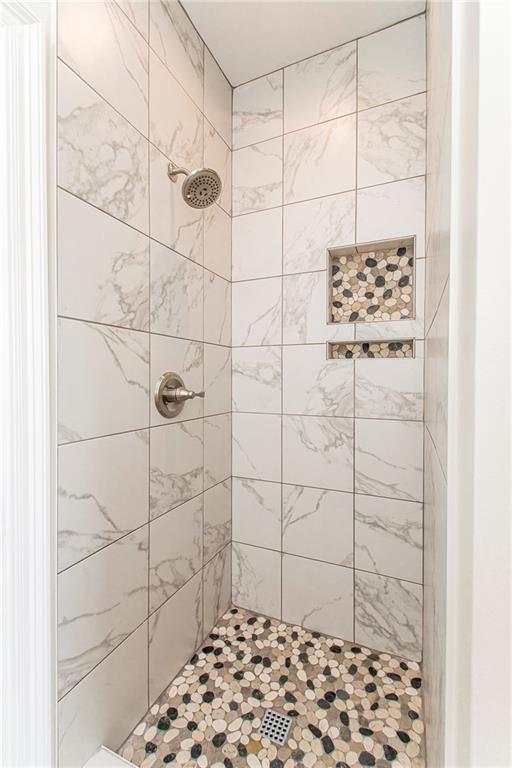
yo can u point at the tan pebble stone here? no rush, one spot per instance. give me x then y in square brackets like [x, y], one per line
[309, 760]
[351, 757]
[182, 757]
[253, 747]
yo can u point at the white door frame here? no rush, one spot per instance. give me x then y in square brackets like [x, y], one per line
[27, 385]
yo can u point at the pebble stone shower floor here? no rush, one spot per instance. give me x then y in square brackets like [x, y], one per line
[350, 706]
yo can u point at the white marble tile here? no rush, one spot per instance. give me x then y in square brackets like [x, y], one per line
[393, 210]
[173, 222]
[174, 38]
[217, 379]
[217, 449]
[90, 356]
[175, 632]
[320, 88]
[319, 596]
[257, 446]
[257, 244]
[216, 588]
[175, 550]
[391, 141]
[175, 123]
[389, 537]
[391, 63]
[217, 519]
[138, 13]
[217, 241]
[389, 458]
[315, 386]
[101, 157]
[257, 579]
[257, 513]
[258, 110]
[176, 467]
[305, 311]
[217, 155]
[315, 225]
[186, 359]
[101, 600]
[217, 97]
[257, 379]
[258, 177]
[436, 379]
[99, 43]
[105, 705]
[257, 312]
[318, 451]
[103, 272]
[102, 493]
[388, 615]
[176, 294]
[320, 160]
[217, 309]
[318, 524]
[389, 389]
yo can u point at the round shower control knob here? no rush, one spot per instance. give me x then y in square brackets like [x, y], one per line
[171, 395]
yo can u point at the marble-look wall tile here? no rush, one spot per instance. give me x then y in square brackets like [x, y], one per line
[97, 146]
[257, 446]
[102, 493]
[257, 579]
[318, 596]
[173, 222]
[217, 379]
[101, 600]
[217, 519]
[257, 312]
[217, 241]
[175, 632]
[89, 357]
[217, 449]
[257, 513]
[174, 38]
[217, 154]
[389, 537]
[175, 123]
[315, 225]
[176, 294]
[105, 705]
[176, 550]
[176, 468]
[320, 88]
[305, 311]
[436, 379]
[318, 524]
[391, 141]
[217, 309]
[258, 110]
[103, 273]
[389, 389]
[257, 244]
[388, 615]
[99, 43]
[216, 588]
[257, 177]
[217, 97]
[183, 357]
[257, 379]
[389, 458]
[138, 13]
[320, 160]
[315, 386]
[318, 451]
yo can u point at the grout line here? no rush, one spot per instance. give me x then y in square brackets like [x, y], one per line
[335, 417]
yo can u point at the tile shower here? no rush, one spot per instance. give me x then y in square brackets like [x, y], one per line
[294, 491]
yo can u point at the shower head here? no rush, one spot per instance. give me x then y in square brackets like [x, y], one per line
[201, 188]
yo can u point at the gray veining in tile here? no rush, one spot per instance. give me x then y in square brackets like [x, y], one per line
[176, 472]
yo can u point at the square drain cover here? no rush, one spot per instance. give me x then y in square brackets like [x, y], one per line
[275, 726]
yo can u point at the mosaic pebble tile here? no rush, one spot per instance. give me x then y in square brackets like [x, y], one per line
[350, 706]
[370, 349]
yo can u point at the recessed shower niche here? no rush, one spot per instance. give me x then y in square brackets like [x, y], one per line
[371, 282]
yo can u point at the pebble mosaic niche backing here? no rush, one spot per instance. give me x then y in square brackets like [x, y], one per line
[372, 282]
[370, 349]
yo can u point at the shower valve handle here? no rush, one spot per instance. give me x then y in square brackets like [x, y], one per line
[171, 395]
[180, 394]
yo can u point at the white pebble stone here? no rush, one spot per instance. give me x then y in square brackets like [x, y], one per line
[139, 729]
[219, 725]
[202, 761]
[150, 733]
[252, 761]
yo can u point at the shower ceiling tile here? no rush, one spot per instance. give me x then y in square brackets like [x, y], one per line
[257, 244]
[217, 97]
[257, 579]
[258, 177]
[217, 379]
[305, 311]
[257, 379]
[315, 386]
[176, 466]
[258, 110]
[257, 446]
[176, 294]
[257, 513]
[217, 309]
[217, 519]
[216, 587]
[217, 155]
[320, 88]
[217, 454]
[389, 389]
[217, 241]
[257, 312]
[186, 359]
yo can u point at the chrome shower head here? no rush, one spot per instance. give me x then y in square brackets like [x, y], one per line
[201, 188]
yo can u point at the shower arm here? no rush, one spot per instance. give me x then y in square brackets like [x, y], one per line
[173, 171]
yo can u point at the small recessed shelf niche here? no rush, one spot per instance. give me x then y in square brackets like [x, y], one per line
[355, 350]
[371, 282]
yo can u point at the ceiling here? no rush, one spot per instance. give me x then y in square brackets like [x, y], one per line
[250, 38]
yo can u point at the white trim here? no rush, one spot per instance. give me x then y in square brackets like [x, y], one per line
[27, 385]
